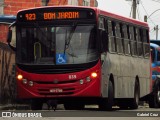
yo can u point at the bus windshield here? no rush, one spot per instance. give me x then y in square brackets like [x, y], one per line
[74, 44]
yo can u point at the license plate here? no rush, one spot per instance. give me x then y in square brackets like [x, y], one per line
[56, 90]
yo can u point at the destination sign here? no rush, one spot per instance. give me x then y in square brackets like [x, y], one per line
[45, 15]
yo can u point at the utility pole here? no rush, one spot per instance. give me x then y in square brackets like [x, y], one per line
[134, 5]
[156, 29]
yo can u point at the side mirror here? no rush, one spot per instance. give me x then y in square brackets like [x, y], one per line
[11, 37]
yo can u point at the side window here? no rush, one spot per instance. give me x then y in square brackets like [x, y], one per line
[132, 40]
[101, 23]
[126, 40]
[112, 46]
[139, 42]
[146, 45]
[118, 38]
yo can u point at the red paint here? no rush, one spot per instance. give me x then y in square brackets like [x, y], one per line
[88, 89]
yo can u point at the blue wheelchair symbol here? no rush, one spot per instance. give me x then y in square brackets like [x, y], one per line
[61, 58]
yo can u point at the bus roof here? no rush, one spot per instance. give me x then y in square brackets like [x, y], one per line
[123, 19]
[7, 19]
[64, 6]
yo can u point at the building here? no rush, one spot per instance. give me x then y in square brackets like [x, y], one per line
[10, 7]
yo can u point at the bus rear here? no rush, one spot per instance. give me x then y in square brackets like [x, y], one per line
[57, 55]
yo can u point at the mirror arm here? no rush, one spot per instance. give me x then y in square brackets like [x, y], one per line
[13, 48]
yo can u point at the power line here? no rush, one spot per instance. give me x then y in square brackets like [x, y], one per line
[146, 12]
[156, 1]
[152, 30]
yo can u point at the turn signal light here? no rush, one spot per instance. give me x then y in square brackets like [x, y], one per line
[94, 74]
[19, 77]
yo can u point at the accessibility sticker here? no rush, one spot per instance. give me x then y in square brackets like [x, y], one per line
[61, 58]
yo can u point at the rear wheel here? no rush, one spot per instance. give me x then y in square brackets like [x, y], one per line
[154, 101]
[107, 103]
[135, 101]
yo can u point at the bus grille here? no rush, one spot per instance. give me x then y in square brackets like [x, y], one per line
[66, 91]
[65, 87]
[59, 82]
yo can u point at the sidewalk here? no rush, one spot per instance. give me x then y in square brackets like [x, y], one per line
[25, 107]
[14, 107]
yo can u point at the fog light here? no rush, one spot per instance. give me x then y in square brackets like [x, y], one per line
[88, 79]
[81, 82]
[24, 81]
[30, 83]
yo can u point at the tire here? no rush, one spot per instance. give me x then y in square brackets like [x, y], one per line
[73, 106]
[154, 100]
[36, 105]
[123, 104]
[135, 101]
[107, 103]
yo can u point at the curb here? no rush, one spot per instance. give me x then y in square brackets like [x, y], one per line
[14, 107]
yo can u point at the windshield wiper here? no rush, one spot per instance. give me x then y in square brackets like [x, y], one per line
[67, 40]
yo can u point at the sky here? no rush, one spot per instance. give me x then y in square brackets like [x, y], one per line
[145, 7]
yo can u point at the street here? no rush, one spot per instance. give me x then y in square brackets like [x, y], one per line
[90, 112]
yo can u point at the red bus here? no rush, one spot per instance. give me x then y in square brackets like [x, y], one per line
[79, 56]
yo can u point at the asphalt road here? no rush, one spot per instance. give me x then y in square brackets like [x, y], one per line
[89, 113]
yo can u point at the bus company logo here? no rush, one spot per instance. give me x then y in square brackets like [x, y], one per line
[55, 81]
[6, 114]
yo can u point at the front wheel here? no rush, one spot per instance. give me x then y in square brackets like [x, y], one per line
[107, 103]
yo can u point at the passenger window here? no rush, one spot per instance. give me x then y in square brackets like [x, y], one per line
[118, 38]
[126, 40]
[101, 23]
[139, 43]
[146, 46]
[112, 46]
[132, 41]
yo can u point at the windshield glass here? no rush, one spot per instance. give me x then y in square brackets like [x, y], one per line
[158, 55]
[74, 44]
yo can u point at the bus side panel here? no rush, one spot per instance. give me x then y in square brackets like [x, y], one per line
[121, 75]
[125, 69]
[127, 82]
[145, 82]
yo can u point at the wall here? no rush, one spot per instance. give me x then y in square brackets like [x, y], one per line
[12, 6]
[3, 32]
[7, 74]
